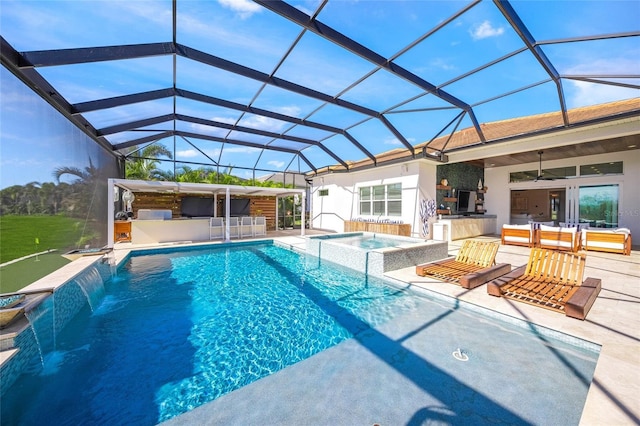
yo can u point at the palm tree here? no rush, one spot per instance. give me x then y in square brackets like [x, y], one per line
[85, 187]
[86, 199]
[187, 174]
[145, 166]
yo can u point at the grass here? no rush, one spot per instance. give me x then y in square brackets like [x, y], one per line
[18, 235]
[17, 275]
[18, 238]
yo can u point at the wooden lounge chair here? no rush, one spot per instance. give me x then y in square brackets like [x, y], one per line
[473, 266]
[551, 279]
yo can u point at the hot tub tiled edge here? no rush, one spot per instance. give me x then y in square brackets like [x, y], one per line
[375, 262]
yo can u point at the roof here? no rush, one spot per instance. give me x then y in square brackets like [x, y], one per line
[269, 86]
[517, 127]
[201, 188]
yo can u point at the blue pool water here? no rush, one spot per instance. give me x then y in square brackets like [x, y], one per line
[176, 330]
[180, 329]
[371, 242]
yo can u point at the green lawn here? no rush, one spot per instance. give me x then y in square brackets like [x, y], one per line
[17, 275]
[18, 238]
[18, 235]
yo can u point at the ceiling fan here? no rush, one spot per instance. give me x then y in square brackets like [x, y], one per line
[540, 175]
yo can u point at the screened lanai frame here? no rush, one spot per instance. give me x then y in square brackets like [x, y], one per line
[312, 86]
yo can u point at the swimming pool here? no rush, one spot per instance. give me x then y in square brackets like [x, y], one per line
[178, 329]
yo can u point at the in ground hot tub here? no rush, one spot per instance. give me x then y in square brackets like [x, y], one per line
[375, 254]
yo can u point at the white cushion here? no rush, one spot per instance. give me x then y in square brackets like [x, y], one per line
[600, 244]
[558, 229]
[626, 231]
[517, 227]
[510, 239]
[555, 243]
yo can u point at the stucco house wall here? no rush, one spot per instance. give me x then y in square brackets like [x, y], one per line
[418, 179]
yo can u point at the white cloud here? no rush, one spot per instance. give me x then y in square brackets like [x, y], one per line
[485, 30]
[261, 122]
[396, 141]
[241, 149]
[442, 64]
[592, 94]
[392, 141]
[291, 110]
[583, 93]
[187, 153]
[209, 130]
[276, 164]
[244, 8]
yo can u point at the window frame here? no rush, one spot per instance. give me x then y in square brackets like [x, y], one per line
[380, 200]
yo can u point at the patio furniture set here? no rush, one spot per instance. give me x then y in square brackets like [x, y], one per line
[551, 279]
[571, 238]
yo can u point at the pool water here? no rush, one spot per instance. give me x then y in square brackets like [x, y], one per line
[176, 330]
[371, 241]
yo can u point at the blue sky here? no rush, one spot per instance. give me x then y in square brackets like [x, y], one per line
[245, 33]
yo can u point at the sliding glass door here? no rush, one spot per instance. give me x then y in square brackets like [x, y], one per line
[598, 205]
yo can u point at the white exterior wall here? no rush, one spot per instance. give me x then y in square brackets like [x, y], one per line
[330, 212]
[497, 198]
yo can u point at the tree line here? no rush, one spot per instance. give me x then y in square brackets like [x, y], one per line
[84, 196]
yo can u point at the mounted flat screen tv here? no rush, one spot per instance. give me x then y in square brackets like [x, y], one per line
[197, 207]
[466, 202]
[239, 207]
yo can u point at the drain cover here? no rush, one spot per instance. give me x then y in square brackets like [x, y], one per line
[460, 355]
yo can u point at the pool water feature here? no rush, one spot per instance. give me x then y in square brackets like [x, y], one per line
[179, 329]
[375, 254]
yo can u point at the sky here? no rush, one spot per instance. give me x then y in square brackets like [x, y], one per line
[430, 39]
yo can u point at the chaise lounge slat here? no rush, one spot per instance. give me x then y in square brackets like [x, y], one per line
[552, 280]
[473, 266]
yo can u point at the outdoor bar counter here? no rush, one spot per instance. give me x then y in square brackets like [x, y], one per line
[458, 227]
[173, 230]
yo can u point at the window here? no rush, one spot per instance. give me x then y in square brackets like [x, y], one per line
[599, 205]
[559, 172]
[381, 200]
[526, 176]
[323, 192]
[531, 175]
[612, 168]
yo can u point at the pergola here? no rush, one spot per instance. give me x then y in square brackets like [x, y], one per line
[315, 87]
[195, 188]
